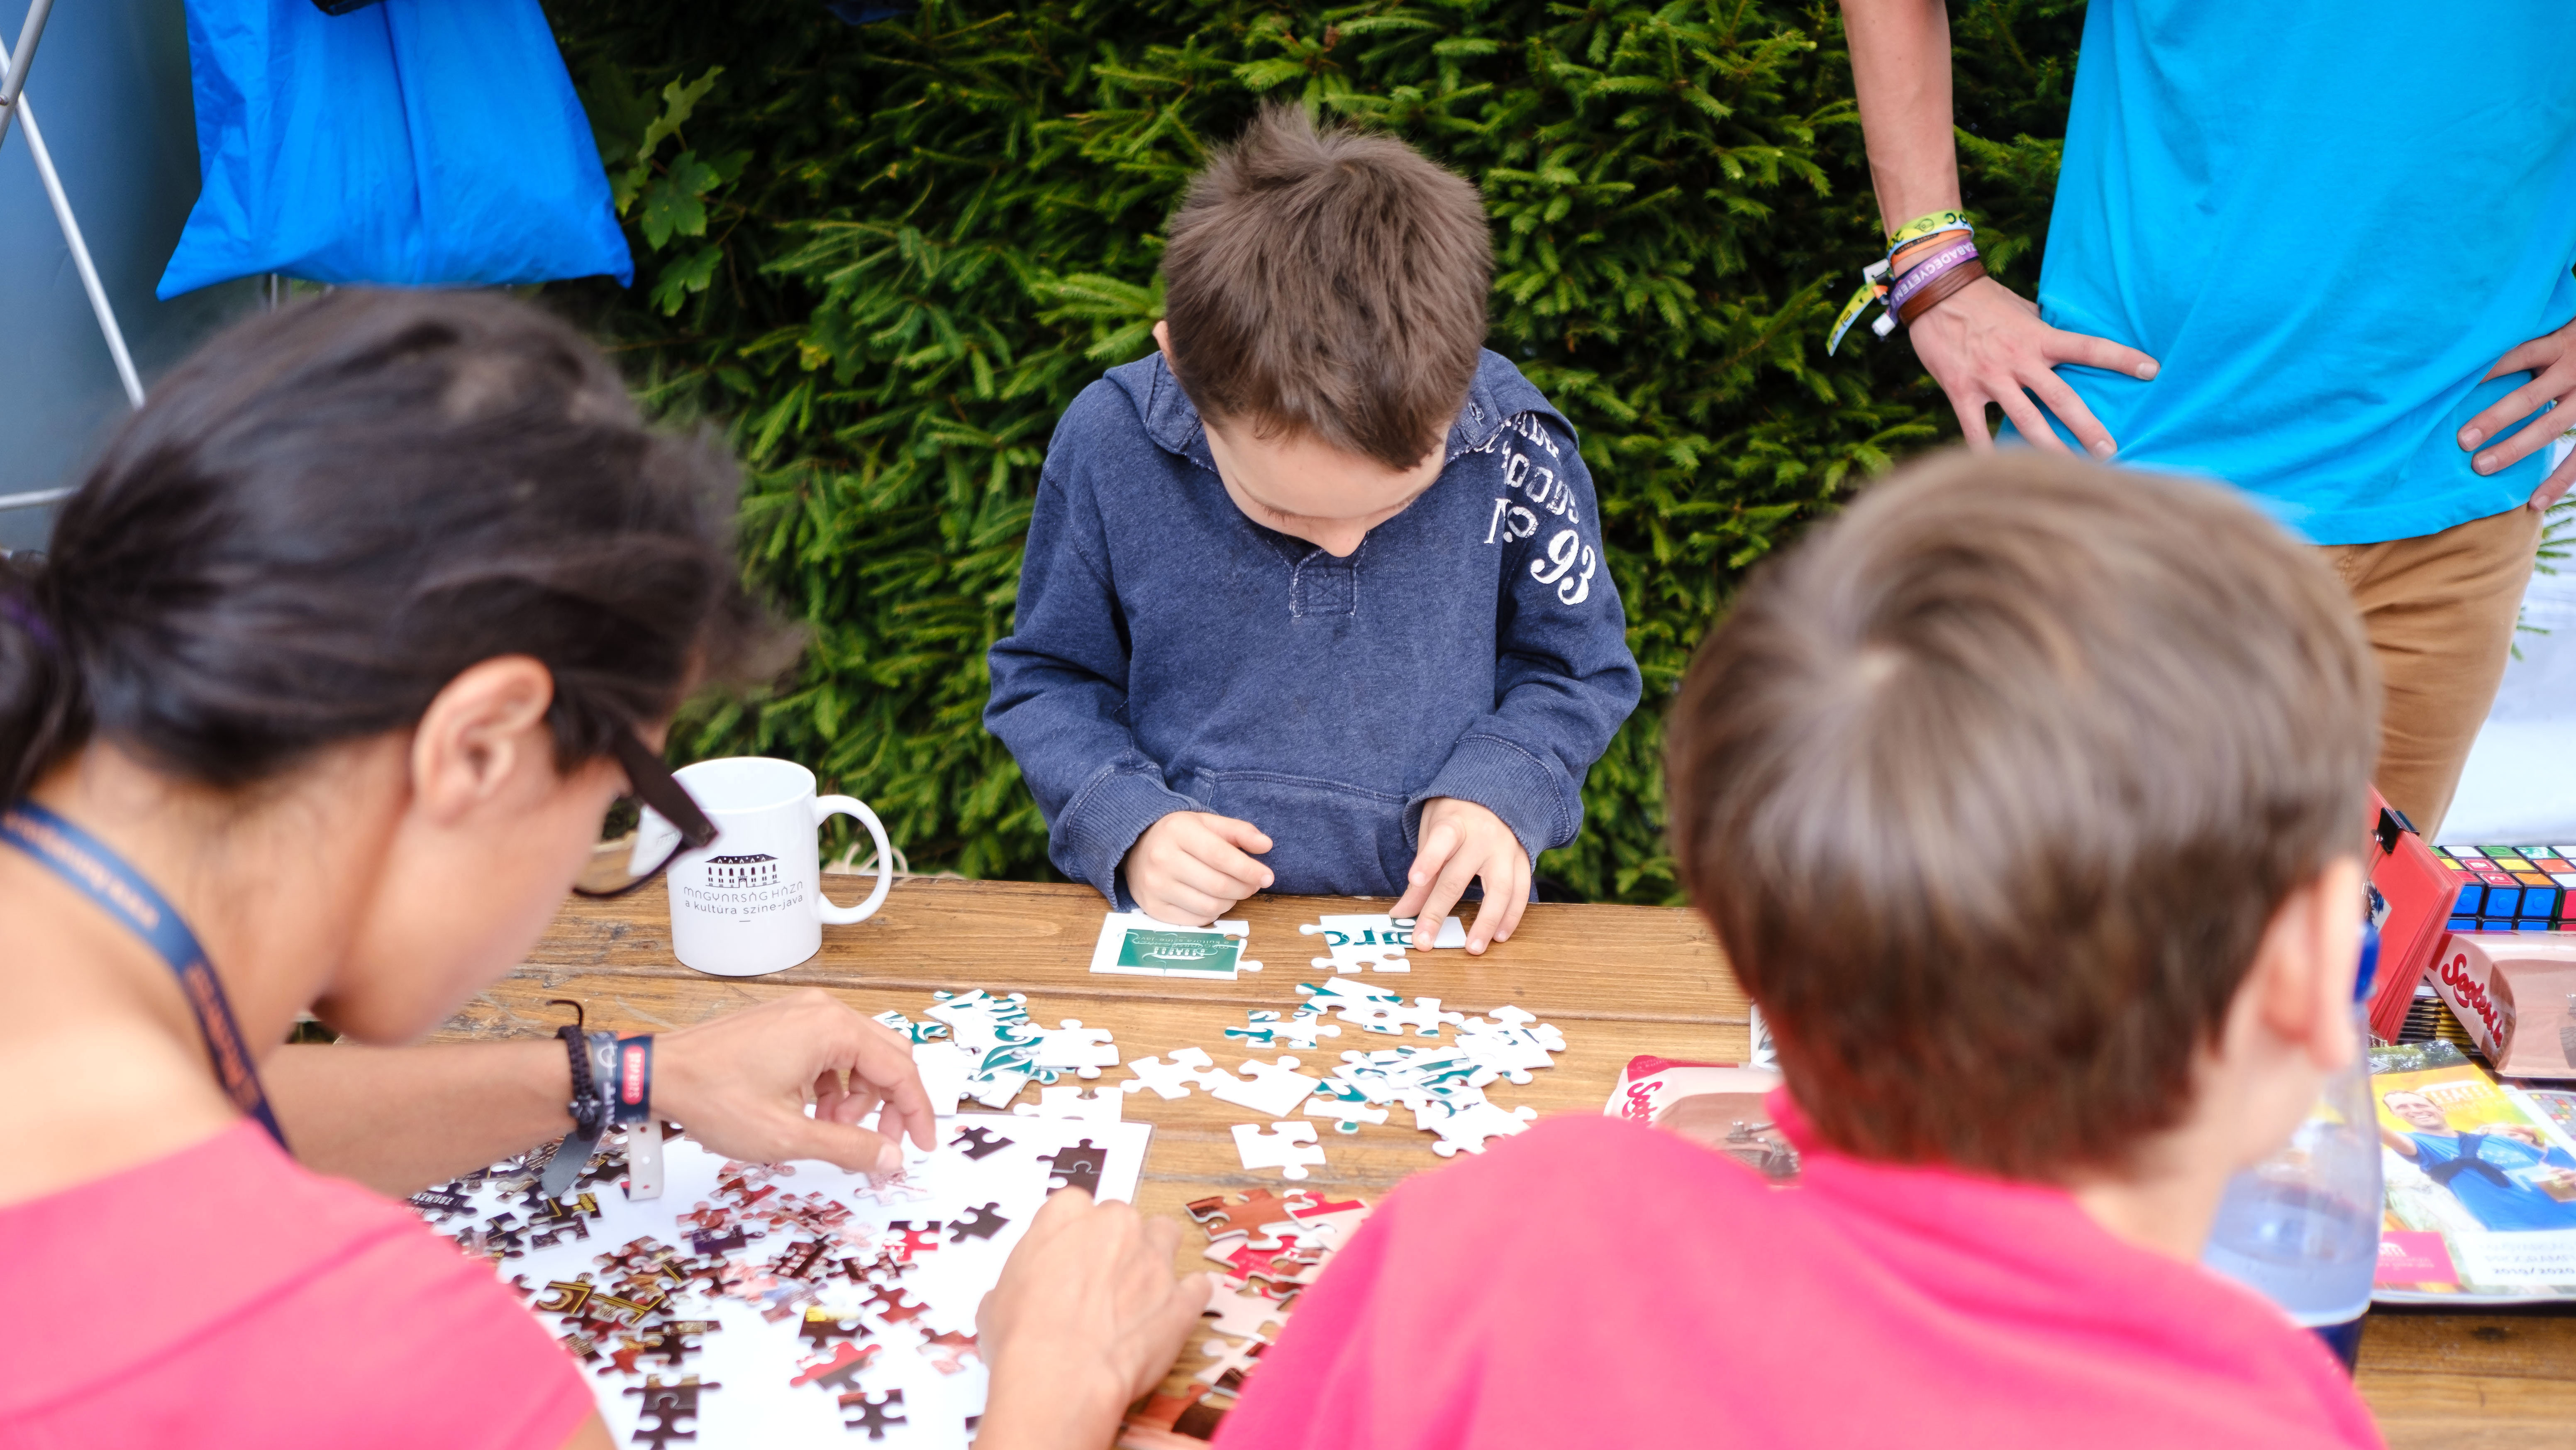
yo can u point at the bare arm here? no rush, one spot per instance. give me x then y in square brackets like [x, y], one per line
[1984, 344]
[398, 1119]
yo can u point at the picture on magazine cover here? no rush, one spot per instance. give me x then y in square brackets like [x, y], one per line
[2481, 1182]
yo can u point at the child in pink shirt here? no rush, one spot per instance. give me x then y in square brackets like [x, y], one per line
[2024, 800]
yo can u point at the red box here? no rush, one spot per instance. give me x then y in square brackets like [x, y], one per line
[2416, 896]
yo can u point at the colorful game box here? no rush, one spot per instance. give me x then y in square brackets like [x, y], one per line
[2511, 888]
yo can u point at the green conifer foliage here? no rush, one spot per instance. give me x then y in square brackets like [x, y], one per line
[884, 257]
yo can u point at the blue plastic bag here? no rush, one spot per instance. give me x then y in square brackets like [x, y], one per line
[413, 143]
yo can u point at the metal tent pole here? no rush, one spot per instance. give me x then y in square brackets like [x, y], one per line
[13, 73]
[22, 107]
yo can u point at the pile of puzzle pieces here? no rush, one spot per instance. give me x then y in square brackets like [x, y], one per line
[1270, 1247]
[644, 1311]
[1441, 1083]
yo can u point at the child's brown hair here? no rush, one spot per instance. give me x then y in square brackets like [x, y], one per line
[1991, 786]
[1331, 284]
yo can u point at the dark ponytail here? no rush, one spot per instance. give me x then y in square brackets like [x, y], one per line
[331, 510]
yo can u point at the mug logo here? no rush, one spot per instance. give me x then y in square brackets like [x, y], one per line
[735, 873]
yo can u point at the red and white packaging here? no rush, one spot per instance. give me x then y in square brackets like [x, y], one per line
[2516, 993]
[1649, 1085]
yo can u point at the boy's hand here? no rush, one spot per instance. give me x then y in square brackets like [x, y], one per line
[1190, 867]
[1462, 841]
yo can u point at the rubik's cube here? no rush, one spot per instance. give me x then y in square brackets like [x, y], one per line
[2512, 888]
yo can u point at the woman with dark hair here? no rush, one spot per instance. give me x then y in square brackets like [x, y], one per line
[341, 655]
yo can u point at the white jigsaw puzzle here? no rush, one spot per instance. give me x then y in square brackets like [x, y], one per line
[1472, 1126]
[1346, 1116]
[1376, 942]
[1085, 1050]
[982, 1021]
[1188, 1068]
[1268, 1088]
[1289, 1147]
[1099, 1105]
[1393, 1017]
[945, 1069]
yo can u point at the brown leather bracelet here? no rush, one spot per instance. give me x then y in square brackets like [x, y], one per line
[1940, 290]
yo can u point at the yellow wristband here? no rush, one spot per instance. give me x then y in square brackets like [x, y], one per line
[1928, 223]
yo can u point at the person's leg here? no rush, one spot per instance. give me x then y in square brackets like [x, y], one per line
[2440, 612]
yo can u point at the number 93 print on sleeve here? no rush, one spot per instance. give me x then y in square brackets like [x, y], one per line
[1538, 499]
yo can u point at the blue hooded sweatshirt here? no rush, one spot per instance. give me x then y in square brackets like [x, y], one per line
[1172, 655]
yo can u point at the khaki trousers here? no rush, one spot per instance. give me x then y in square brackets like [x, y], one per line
[2440, 612]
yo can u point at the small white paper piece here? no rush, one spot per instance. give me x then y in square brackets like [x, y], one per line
[644, 1160]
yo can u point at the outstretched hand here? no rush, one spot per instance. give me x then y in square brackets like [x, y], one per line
[2551, 361]
[1086, 1317]
[1986, 344]
[740, 1082]
[1463, 842]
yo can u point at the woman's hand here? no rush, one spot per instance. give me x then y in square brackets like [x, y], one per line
[740, 1082]
[1986, 344]
[1087, 1316]
[2551, 361]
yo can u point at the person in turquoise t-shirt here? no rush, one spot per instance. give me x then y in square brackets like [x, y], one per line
[2322, 251]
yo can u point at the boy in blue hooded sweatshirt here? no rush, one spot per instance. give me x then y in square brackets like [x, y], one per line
[1314, 597]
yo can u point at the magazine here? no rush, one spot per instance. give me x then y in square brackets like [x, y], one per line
[2481, 1179]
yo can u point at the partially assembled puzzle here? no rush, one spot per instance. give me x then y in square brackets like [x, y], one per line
[1268, 1247]
[784, 1305]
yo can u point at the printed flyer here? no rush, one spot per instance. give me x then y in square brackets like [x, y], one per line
[2481, 1179]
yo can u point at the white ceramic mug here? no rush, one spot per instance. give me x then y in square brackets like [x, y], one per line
[751, 901]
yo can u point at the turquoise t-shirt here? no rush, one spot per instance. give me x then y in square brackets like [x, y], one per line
[2326, 219]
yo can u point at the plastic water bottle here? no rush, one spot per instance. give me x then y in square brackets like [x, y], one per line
[2302, 1226]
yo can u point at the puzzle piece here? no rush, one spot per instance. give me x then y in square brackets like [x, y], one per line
[893, 1191]
[949, 1352]
[1346, 1116]
[1247, 1212]
[914, 1032]
[1077, 1167]
[1424, 1016]
[836, 1373]
[980, 1141]
[1472, 1126]
[888, 1305]
[1361, 943]
[976, 1223]
[1097, 1106]
[443, 1203]
[983, 1022]
[1288, 1147]
[1085, 1050]
[672, 1340]
[1239, 1315]
[1174, 1079]
[1267, 1088]
[666, 1405]
[823, 1326]
[948, 1072]
[1134, 944]
[876, 1412]
[1232, 1363]
[1298, 1030]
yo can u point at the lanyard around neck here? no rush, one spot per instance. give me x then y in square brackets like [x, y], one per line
[83, 860]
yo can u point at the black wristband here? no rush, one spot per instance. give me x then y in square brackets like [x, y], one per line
[589, 1108]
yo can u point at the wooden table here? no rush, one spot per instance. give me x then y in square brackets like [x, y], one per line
[1619, 980]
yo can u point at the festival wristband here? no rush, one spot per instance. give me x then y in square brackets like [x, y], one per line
[1940, 290]
[1929, 224]
[632, 1104]
[1874, 284]
[1928, 271]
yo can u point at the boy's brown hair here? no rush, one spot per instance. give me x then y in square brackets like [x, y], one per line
[1330, 284]
[1991, 787]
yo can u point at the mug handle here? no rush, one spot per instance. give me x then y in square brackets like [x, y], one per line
[826, 807]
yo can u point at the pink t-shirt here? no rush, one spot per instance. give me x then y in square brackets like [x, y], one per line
[224, 1296]
[1597, 1282]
